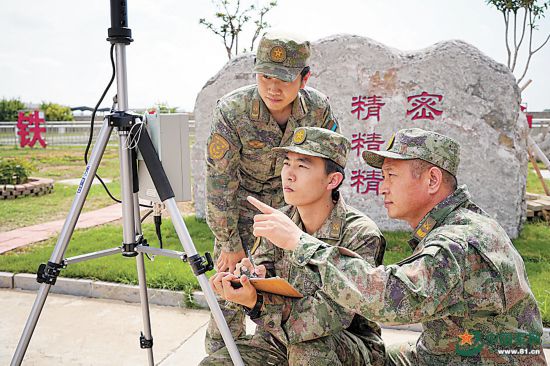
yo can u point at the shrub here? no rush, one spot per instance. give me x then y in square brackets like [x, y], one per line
[9, 109]
[56, 112]
[14, 171]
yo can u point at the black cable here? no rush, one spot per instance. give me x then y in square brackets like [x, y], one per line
[146, 215]
[158, 222]
[93, 121]
[90, 138]
[99, 103]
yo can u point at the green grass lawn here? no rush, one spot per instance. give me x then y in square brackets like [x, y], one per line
[58, 163]
[162, 272]
[169, 273]
[534, 184]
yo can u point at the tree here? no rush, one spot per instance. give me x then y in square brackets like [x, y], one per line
[522, 16]
[56, 112]
[231, 19]
[162, 107]
[9, 109]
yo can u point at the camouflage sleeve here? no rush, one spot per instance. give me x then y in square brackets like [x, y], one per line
[367, 241]
[265, 255]
[329, 120]
[414, 290]
[222, 183]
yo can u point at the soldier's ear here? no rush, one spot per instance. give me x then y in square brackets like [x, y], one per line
[435, 176]
[335, 179]
[305, 78]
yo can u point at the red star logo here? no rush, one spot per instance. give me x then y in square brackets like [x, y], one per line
[466, 338]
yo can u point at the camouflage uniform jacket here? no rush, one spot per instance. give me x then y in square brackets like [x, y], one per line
[240, 161]
[315, 316]
[464, 275]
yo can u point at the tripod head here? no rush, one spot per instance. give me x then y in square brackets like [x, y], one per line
[119, 31]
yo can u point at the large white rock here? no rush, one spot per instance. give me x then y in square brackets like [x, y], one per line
[475, 100]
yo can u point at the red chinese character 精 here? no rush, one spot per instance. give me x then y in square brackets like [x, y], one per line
[369, 180]
[370, 141]
[371, 104]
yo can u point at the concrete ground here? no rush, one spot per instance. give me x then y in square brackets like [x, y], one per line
[82, 331]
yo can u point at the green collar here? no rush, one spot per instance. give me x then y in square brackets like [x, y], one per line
[437, 215]
[332, 228]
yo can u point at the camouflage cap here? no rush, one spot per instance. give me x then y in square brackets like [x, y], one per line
[415, 143]
[282, 56]
[320, 142]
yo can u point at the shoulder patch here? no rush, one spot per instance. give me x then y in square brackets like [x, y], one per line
[332, 125]
[335, 229]
[255, 110]
[425, 228]
[218, 147]
[256, 144]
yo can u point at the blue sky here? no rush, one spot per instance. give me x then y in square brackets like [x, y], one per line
[56, 50]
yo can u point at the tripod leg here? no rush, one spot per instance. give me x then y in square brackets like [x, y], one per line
[146, 340]
[130, 227]
[54, 263]
[126, 191]
[166, 194]
[190, 250]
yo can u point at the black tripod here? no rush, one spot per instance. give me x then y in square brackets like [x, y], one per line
[133, 244]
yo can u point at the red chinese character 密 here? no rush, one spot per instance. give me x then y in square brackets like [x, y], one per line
[423, 106]
[30, 125]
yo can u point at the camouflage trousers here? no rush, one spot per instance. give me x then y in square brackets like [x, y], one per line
[343, 348]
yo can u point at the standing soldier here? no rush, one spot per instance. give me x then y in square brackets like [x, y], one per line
[247, 124]
[465, 282]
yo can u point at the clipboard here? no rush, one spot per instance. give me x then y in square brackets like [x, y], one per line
[274, 285]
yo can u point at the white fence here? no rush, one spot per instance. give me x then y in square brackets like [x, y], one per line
[62, 133]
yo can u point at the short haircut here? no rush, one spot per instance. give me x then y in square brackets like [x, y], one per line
[304, 72]
[419, 166]
[332, 167]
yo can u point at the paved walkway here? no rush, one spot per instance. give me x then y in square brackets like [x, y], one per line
[82, 331]
[16, 238]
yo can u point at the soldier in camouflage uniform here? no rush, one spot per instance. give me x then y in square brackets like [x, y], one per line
[247, 124]
[311, 330]
[465, 282]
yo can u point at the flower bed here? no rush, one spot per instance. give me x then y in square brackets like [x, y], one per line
[34, 187]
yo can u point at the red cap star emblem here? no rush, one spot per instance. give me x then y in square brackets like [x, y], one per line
[466, 338]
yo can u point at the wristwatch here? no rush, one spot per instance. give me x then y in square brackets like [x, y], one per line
[257, 309]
